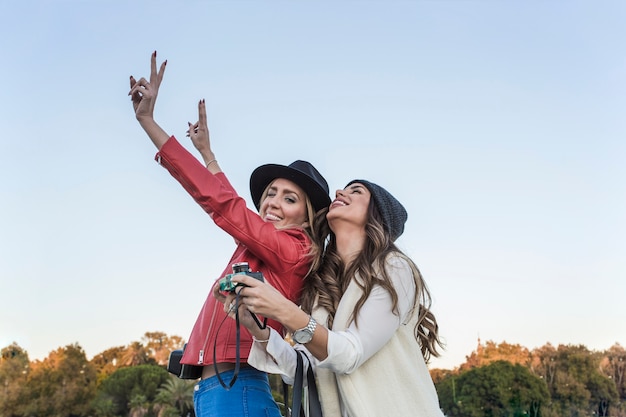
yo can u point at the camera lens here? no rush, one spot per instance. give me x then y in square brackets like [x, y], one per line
[240, 267]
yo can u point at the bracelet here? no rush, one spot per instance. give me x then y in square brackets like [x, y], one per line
[260, 341]
[210, 162]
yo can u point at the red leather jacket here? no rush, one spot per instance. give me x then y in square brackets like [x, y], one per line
[281, 255]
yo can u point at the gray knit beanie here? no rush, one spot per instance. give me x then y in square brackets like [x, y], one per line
[393, 213]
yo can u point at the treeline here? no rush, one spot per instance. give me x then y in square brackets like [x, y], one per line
[496, 380]
[509, 380]
[127, 380]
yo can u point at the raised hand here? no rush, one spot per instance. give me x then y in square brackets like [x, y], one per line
[199, 134]
[144, 93]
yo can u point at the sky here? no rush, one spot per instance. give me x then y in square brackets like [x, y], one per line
[500, 125]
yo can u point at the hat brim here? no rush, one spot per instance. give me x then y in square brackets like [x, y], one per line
[265, 174]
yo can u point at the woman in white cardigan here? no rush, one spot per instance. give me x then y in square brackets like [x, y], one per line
[365, 320]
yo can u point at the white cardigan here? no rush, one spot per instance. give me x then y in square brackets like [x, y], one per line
[355, 381]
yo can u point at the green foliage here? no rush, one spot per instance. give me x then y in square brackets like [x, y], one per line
[108, 361]
[64, 384]
[575, 381]
[492, 352]
[498, 389]
[14, 367]
[130, 384]
[103, 406]
[497, 380]
[177, 394]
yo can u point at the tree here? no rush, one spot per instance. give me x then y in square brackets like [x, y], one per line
[14, 367]
[136, 354]
[613, 365]
[129, 384]
[439, 375]
[543, 363]
[492, 352]
[576, 383]
[104, 406]
[500, 388]
[63, 384]
[108, 361]
[159, 345]
[176, 395]
[138, 405]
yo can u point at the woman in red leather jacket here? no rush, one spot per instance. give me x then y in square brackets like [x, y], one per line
[277, 242]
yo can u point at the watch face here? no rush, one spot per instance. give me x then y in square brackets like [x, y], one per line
[303, 336]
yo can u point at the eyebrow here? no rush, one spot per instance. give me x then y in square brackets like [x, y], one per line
[285, 191]
[355, 186]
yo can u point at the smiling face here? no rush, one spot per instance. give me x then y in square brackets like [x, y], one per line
[350, 205]
[284, 204]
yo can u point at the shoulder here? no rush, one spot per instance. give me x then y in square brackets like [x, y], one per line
[294, 236]
[294, 233]
[397, 262]
[401, 272]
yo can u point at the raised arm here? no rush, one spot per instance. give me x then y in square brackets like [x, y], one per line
[199, 134]
[143, 94]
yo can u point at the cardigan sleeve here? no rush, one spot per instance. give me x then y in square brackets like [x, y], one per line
[278, 357]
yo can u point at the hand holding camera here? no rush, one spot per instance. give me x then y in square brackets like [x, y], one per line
[226, 284]
[240, 268]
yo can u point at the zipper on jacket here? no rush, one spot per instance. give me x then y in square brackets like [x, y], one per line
[206, 338]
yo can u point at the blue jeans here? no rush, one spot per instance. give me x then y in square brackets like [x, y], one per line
[250, 396]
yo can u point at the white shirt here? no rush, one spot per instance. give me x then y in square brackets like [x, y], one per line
[349, 349]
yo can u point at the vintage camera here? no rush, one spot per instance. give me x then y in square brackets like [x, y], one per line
[240, 268]
[181, 370]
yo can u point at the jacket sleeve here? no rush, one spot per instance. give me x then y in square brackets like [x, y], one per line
[281, 250]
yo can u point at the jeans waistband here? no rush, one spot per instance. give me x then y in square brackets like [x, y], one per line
[245, 373]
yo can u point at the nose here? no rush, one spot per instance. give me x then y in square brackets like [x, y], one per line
[339, 192]
[272, 201]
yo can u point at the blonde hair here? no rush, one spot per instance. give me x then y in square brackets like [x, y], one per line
[309, 227]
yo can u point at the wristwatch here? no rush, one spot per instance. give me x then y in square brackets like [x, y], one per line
[305, 334]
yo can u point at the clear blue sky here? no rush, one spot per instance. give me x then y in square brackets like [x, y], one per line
[500, 125]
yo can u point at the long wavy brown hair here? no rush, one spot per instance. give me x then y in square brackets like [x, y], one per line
[329, 278]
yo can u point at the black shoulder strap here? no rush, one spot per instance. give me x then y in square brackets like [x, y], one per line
[315, 408]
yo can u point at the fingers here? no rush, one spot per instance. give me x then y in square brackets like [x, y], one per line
[192, 127]
[161, 72]
[202, 114]
[153, 70]
[229, 304]
[133, 93]
[156, 77]
[137, 88]
[246, 280]
[218, 294]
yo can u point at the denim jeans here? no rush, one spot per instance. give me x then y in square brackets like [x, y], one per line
[250, 396]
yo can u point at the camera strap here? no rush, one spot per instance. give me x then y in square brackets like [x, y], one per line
[238, 338]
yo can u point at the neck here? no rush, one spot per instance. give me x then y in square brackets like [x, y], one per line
[350, 243]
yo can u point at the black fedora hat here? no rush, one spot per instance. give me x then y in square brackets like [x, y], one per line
[300, 172]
